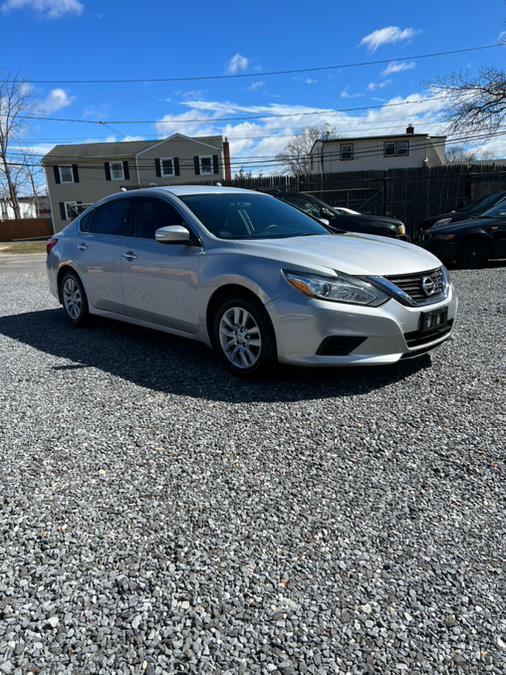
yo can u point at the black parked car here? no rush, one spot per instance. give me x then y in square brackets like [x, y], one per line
[475, 208]
[470, 242]
[344, 219]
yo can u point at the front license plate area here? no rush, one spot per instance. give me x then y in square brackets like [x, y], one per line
[435, 320]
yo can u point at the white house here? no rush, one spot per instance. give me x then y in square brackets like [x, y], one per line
[369, 153]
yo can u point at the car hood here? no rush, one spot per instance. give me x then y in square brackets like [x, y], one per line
[350, 253]
[474, 222]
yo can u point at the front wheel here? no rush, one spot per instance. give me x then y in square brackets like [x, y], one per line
[244, 337]
[73, 297]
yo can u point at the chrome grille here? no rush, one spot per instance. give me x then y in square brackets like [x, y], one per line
[412, 285]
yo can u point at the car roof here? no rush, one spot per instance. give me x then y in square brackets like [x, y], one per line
[185, 190]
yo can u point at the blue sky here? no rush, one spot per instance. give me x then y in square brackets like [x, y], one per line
[87, 39]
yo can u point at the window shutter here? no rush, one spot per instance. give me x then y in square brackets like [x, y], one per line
[196, 164]
[107, 168]
[63, 214]
[158, 168]
[176, 166]
[56, 174]
[215, 164]
[75, 173]
[126, 171]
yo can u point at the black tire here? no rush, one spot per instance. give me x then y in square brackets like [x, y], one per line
[77, 311]
[474, 253]
[259, 324]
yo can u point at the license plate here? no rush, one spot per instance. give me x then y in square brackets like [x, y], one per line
[434, 320]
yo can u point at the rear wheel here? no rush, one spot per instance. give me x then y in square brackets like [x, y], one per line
[73, 297]
[244, 337]
[473, 253]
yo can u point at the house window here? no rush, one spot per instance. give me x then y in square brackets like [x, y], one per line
[206, 164]
[346, 151]
[66, 174]
[117, 172]
[167, 166]
[70, 210]
[402, 148]
[396, 149]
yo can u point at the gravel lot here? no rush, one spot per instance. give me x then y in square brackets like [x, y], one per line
[159, 516]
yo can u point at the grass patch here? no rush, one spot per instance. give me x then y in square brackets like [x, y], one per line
[22, 246]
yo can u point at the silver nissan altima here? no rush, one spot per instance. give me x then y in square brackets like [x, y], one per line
[255, 278]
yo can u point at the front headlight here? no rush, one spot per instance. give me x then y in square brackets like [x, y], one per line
[402, 230]
[443, 221]
[342, 288]
[442, 237]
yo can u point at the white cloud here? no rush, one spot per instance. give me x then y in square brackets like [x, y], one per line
[237, 64]
[256, 139]
[52, 9]
[191, 93]
[57, 99]
[345, 93]
[387, 35]
[399, 67]
[378, 85]
[258, 85]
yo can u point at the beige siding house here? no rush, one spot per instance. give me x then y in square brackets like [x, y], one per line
[79, 175]
[370, 153]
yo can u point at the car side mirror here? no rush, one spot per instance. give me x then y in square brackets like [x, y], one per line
[172, 234]
[326, 213]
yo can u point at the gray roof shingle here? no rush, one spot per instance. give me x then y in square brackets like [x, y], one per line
[116, 150]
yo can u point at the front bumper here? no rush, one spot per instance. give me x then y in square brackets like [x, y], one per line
[302, 324]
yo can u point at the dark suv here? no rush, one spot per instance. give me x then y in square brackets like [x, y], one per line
[339, 220]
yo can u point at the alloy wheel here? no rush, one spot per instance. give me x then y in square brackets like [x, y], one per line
[240, 337]
[72, 298]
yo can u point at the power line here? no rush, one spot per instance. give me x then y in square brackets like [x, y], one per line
[258, 116]
[232, 139]
[291, 71]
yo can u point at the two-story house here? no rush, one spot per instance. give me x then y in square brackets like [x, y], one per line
[78, 175]
[369, 153]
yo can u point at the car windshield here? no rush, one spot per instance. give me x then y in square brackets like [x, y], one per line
[251, 216]
[498, 211]
[482, 204]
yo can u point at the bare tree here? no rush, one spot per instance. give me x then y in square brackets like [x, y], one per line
[31, 176]
[459, 154]
[296, 156]
[14, 101]
[474, 104]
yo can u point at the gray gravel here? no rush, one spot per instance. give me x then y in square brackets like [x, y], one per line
[159, 516]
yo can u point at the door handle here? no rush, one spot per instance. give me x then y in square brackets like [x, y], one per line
[129, 255]
[82, 246]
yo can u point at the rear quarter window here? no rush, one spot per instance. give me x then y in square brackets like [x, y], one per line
[85, 222]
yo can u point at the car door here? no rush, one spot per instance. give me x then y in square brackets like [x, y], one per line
[160, 280]
[100, 243]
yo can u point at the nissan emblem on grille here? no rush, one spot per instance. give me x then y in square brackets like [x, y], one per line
[428, 285]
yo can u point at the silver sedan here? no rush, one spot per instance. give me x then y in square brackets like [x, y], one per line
[251, 276]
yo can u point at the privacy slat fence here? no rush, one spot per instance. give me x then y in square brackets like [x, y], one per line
[409, 194]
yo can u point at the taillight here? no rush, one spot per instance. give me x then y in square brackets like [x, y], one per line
[51, 243]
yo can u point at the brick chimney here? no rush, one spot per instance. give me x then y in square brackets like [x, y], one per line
[410, 129]
[226, 159]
